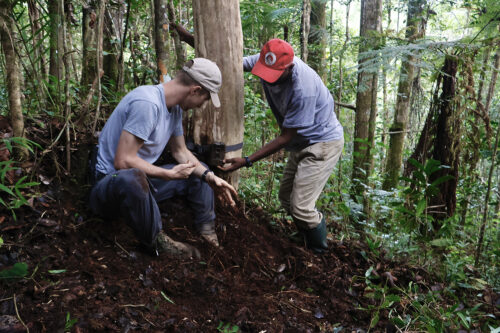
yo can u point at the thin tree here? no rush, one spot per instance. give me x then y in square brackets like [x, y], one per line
[366, 96]
[400, 124]
[56, 67]
[317, 38]
[8, 40]
[487, 199]
[161, 37]
[305, 27]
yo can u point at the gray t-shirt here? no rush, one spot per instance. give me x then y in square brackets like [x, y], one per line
[143, 113]
[304, 103]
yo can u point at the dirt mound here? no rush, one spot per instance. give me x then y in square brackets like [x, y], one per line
[94, 271]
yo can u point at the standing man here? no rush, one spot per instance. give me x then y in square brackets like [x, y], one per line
[304, 109]
[129, 185]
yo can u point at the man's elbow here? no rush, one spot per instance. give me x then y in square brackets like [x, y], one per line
[121, 163]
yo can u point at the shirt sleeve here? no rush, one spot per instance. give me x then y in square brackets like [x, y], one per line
[300, 112]
[141, 119]
[249, 62]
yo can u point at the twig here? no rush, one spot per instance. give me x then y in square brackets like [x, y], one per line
[121, 247]
[149, 321]
[347, 106]
[18, 316]
[133, 306]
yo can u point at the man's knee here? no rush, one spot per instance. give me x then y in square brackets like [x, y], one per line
[132, 181]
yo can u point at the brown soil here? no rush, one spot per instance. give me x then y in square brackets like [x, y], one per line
[259, 280]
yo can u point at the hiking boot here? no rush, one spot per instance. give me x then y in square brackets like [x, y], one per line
[207, 231]
[165, 244]
[316, 238]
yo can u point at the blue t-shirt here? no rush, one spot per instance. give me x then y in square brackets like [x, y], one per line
[304, 103]
[143, 113]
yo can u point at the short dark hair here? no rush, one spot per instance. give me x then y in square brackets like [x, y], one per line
[184, 77]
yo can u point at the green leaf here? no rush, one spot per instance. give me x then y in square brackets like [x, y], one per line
[1, 241]
[495, 330]
[442, 180]
[393, 298]
[440, 242]
[166, 297]
[465, 320]
[6, 189]
[57, 271]
[19, 270]
[374, 320]
[422, 204]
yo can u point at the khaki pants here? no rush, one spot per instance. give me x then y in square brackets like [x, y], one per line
[304, 178]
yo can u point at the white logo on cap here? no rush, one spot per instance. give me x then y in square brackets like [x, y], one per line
[270, 58]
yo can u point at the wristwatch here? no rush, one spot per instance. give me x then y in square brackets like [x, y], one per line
[204, 175]
[248, 162]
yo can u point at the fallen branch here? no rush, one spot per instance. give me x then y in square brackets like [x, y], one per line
[18, 316]
[347, 106]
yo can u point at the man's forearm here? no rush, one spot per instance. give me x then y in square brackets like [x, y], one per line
[150, 169]
[269, 148]
[185, 156]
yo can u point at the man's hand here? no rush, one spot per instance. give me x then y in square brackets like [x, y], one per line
[183, 171]
[222, 189]
[234, 164]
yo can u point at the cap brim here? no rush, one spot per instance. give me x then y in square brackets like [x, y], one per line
[265, 73]
[215, 99]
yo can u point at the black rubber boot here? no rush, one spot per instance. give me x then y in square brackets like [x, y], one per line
[316, 238]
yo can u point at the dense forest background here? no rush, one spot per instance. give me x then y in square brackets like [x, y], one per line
[415, 85]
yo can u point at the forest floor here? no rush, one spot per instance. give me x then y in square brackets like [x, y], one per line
[86, 274]
[259, 280]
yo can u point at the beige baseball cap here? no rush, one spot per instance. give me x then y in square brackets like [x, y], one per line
[208, 75]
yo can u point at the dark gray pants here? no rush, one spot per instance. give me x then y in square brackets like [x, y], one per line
[130, 194]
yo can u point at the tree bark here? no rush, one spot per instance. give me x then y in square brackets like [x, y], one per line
[89, 46]
[8, 40]
[317, 38]
[400, 123]
[487, 199]
[180, 51]
[100, 34]
[218, 36]
[447, 144]
[56, 67]
[161, 38]
[305, 28]
[113, 19]
[493, 81]
[366, 106]
[37, 32]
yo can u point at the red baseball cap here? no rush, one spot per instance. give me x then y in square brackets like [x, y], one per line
[276, 55]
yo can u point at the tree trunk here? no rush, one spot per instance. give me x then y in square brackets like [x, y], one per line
[37, 33]
[472, 157]
[317, 38]
[447, 144]
[493, 81]
[487, 199]
[8, 40]
[400, 124]
[218, 36]
[341, 57]
[100, 36]
[305, 28]
[113, 19]
[366, 96]
[89, 46]
[161, 39]
[180, 51]
[56, 67]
